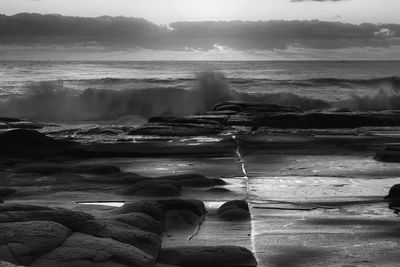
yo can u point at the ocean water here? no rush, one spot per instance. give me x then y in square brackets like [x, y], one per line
[101, 91]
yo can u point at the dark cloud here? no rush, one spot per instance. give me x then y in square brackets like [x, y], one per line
[115, 33]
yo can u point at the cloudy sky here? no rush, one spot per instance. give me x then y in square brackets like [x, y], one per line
[200, 29]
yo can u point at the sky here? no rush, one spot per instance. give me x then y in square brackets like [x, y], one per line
[200, 29]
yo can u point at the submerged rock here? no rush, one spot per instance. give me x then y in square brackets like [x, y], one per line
[218, 256]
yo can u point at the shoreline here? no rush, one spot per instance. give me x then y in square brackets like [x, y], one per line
[296, 197]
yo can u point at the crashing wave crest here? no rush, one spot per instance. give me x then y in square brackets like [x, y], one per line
[51, 101]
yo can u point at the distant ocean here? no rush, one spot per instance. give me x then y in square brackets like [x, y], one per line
[88, 91]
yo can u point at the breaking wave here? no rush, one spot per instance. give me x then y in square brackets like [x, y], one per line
[53, 101]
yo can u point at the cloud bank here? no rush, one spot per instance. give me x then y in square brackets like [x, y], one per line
[35, 33]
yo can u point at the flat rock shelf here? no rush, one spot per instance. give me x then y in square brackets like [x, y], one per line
[241, 185]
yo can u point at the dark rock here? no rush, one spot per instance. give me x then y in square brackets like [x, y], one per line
[219, 190]
[71, 219]
[140, 220]
[194, 205]
[6, 191]
[89, 251]
[157, 208]
[25, 125]
[176, 220]
[234, 210]
[6, 207]
[23, 242]
[188, 119]
[23, 143]
[7, 120]
[156, 187]
[151, 207]
[254, 107]
[219, 256]
[177, 129]
[394, 192]
[193, 180]
[22, 138]
[46, 168]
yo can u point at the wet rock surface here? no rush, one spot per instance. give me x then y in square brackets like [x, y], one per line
[248, 181]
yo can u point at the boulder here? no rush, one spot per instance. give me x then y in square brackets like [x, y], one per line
[146, 241]
[157, 208]
[71, 219]
[218, 256]
[394, 192]
[149, 207]
[23, 242]
[235, 210]
[89, 251]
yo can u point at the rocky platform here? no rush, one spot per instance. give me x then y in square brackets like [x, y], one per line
[242, 185]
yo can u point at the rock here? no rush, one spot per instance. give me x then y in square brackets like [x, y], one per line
[177, 129]
[6, 191]
[6, 207]
[394, 192]
[235, 210]
[181, 219]
[71, 219]
[194, 205]
[193, 180]
[89, 251]
[146, 241]
[156, 187]
[150, 207]
[22, 138]
[139, 220]
[7, 120]
[254, 107]
[157, 208]
[219, 190]
[187, 119]
[219, 256]
[23, 242]
[47, 168]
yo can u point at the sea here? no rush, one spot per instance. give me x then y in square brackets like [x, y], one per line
[127, 92]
